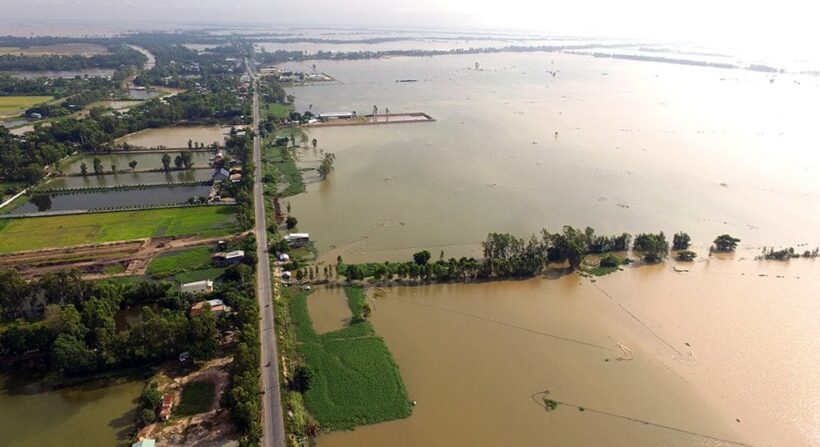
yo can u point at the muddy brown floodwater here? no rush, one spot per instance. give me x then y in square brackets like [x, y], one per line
[177, 137]
[328, 309]
[698, 352]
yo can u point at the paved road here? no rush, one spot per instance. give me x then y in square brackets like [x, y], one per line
[272, 418]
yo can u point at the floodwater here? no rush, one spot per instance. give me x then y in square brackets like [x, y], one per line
[177, 137]
[129, 178]
[145, 160]
[84, 73]
[143, 94]
[723, 354]
[617, 145]
[114, 198]
[93, 414]
[328, 309]
[719, 356]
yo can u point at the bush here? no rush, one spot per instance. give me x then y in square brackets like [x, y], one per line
[686, 255]
[680, 241]
[291, 222]
[610, 260]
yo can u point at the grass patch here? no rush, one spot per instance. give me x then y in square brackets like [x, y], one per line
[180, 262]
[276, 110]
[15, 105]
[62, 231]
[356, 381]
[121, 280]
[196, 397]
[199, 275]
[112, 269]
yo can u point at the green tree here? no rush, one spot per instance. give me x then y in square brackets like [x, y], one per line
[166, 161]
[190, 144]
[83, 169]
[302, 378]
[326, 165]
[291, 222]
[132, 164]
[202, 335]
[179, 162]
[33, 173]
[654, 247]
[365, 311]
[680, 241]
[314, 142]
[98, 169]
[726, 243]
[187, 159]
[114, 168]
[422, 257]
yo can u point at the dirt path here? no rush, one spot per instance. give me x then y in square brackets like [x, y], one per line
[132, 256]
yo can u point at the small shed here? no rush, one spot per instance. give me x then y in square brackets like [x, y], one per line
[221, 174]
[297, 239]
[216, 306]
[284, 257]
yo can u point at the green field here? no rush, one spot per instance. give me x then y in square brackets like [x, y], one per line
[356, 381]
[181, 261]
[199, 275]
[61, 231]
[276, 110]
[197, 397]
[15, 105]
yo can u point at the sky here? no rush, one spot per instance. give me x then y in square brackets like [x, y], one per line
[725, 21]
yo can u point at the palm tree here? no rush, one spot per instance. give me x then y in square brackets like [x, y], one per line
[366, 311]
[375, 110]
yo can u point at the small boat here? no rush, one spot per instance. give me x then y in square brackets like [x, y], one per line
[406, 80]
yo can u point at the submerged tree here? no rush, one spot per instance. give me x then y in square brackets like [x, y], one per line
[726, 243]
[132, 164]
[654, 247]
[166, 161]
[327, 165]
[680, 241]
[83, 169]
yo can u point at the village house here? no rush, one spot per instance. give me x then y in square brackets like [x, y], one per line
[221, 174]
[197, 287]
[145, 443]
[297, 239]
[229, 258]
[217, 307]
[165, 407]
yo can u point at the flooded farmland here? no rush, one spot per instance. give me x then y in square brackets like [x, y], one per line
[177, 137]
[658, 357]
[114, 198]
[129, 178]
[91, 414]
[145, 160]
[617, 145]
[721, 354]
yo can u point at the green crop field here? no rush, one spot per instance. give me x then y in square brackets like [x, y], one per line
[197, 397]
[277, 110]
[15, 105]
[356, 381]
[61, 231]
[181, 261]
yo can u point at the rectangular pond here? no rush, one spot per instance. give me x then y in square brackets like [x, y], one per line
[145, 160]
[177, 137]
[82, 201]
[129, 178]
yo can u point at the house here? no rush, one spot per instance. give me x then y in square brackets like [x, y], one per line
[165, 407]
[217, 307]
[35, 115]
[236, 178]
[297, 239]
[145, 443]
[230, 258]
[286, 275]
[197, 287]
[221, 174]
[284, 257]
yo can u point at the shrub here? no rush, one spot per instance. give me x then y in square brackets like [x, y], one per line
[686, 255]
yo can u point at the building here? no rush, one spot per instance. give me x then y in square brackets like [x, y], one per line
[197, 287]
[165, 407]
[221, 174]
[284, 257]
[217, 307]
[145, 443]
[286, 275]
[229, 258]
[297, 239]
[336, 116]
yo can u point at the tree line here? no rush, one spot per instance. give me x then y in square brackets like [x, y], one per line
[509, 256]
[118, 57]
